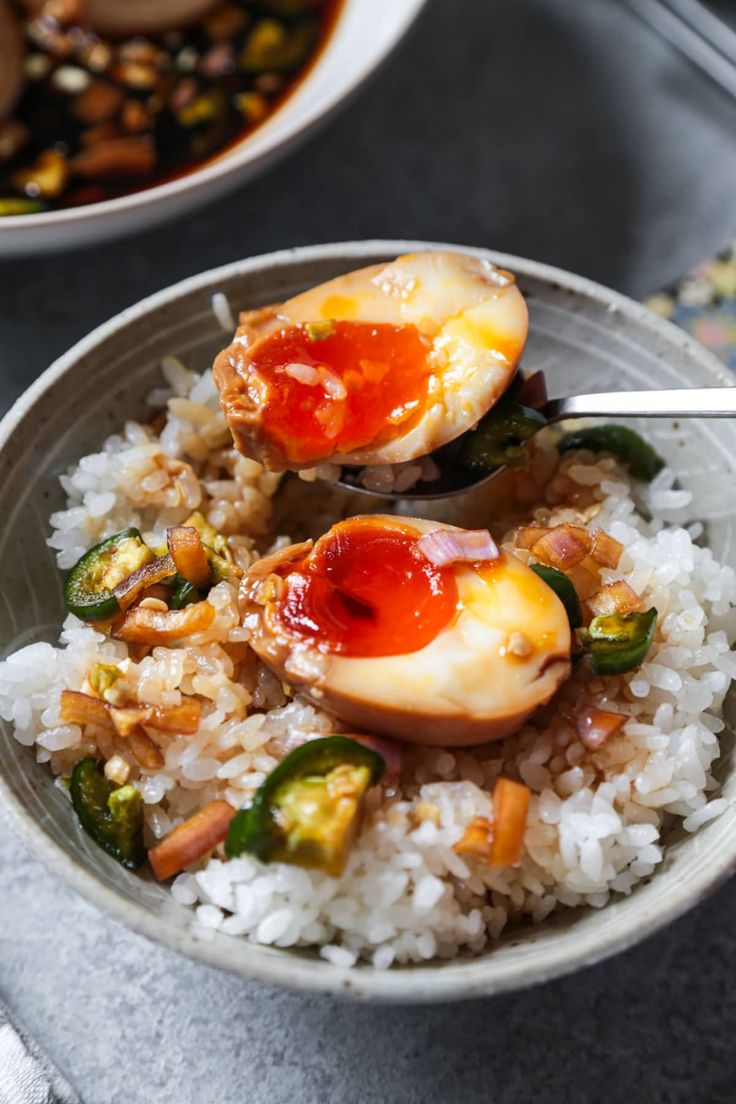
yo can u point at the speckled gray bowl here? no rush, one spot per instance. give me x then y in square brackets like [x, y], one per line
[586, 338]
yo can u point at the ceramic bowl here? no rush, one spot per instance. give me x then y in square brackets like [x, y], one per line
[586, 338]
[364, 35]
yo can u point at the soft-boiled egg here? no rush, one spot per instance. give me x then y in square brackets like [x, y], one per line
[370, 628]
[377, 366]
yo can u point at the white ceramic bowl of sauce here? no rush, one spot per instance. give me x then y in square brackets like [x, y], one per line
[364, 34]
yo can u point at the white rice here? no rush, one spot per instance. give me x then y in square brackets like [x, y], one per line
[399, 478]
[596, 820]
[223, 312]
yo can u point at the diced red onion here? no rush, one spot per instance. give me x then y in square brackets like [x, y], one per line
[389, 750]
[596, 726]
[528, 535]
[446, 546]
[563, 546]
[533, 391]
[605, 550]
[617, 597]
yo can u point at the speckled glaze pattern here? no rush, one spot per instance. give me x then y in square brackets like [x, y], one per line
[584, 337]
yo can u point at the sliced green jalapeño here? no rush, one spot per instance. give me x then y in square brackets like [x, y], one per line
[563, 587]
[499, 438]
[619, 642]
[112, 816]
[183, 593]
[631, 450]
[88, 590]
[307, 812]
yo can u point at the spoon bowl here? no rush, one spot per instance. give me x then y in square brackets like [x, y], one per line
[456, 479]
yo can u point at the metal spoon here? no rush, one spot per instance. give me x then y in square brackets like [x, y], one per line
[695, 402]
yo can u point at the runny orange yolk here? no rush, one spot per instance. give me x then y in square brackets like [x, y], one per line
[364, 590]
[327, 387]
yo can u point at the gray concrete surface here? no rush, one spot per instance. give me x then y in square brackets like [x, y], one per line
[559, 129]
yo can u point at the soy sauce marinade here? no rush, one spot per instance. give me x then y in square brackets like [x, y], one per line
[101, 118]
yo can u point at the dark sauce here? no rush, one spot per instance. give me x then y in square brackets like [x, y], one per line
[101, 118]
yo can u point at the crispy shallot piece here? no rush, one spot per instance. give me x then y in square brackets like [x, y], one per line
[499, 842]
[510, 812]
[139, 582]
[83, 709]
[151, 627]
[191, 840]
[188, 553]
[477, 840]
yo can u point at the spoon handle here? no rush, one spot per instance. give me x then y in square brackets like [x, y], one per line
[689, 402]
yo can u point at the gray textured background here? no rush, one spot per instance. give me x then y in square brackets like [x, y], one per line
[558, 129]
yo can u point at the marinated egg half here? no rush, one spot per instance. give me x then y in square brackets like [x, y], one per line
[371, 629]
[377, 366]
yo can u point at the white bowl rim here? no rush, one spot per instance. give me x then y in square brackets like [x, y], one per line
[416, 984]
[225, 170]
